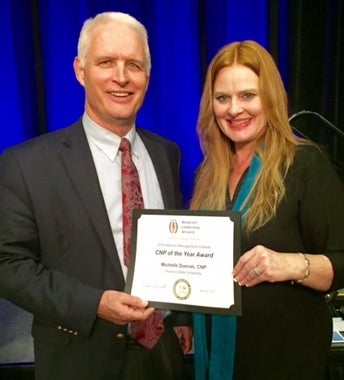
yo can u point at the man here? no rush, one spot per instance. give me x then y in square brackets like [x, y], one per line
[61, 234]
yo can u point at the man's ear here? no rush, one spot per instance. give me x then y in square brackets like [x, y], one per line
[148, 79]
[79, 71]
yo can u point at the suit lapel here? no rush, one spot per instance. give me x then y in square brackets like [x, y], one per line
[79, 164]
[162, 169]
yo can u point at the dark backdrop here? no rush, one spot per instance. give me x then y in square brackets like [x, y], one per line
[39, 92]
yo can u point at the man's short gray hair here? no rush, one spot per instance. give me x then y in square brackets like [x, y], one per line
[108, 17]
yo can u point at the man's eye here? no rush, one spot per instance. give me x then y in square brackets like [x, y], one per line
[106, 62]
[135, 66]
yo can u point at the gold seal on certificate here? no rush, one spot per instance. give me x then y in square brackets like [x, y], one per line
[183, 260]
[182, 289]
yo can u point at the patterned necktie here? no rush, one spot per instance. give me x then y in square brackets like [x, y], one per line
[149, 331]
[131, 195]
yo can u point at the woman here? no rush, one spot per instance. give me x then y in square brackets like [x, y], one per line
[292, 205]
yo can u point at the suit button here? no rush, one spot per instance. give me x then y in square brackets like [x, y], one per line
[120, 335]
[59, 327]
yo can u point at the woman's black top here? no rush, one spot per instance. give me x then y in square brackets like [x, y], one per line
[285, 330]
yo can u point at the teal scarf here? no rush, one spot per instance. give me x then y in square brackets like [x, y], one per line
[219, 365]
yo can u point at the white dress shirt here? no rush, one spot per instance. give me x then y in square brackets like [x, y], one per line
[104, 147]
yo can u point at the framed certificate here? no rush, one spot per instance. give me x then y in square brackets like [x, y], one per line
[183, 260]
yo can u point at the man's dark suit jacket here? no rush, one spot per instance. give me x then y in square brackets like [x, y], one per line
[57, 252]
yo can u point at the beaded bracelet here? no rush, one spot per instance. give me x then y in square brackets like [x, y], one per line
[308, 269]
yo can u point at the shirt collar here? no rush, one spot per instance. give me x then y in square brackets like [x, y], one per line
[106, 140]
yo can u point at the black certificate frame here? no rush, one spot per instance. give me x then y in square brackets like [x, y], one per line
[234, 216]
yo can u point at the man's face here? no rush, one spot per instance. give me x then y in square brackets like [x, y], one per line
[114, 76]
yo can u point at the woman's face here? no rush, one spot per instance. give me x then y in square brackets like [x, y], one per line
[237, 105]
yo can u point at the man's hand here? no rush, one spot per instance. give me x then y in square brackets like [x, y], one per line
[184, 334]
[121, 308]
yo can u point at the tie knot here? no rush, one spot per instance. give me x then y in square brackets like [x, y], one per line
[125, 145]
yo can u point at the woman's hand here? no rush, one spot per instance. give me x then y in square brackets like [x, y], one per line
[261, 264]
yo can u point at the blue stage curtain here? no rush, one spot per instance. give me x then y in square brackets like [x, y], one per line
[39, 37]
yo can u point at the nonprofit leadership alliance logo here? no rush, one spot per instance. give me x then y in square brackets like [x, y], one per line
[173, 226]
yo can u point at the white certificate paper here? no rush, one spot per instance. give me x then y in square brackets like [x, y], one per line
[183, 260]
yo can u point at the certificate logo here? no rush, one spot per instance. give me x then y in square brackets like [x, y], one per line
[182, 289]
[173, 226]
